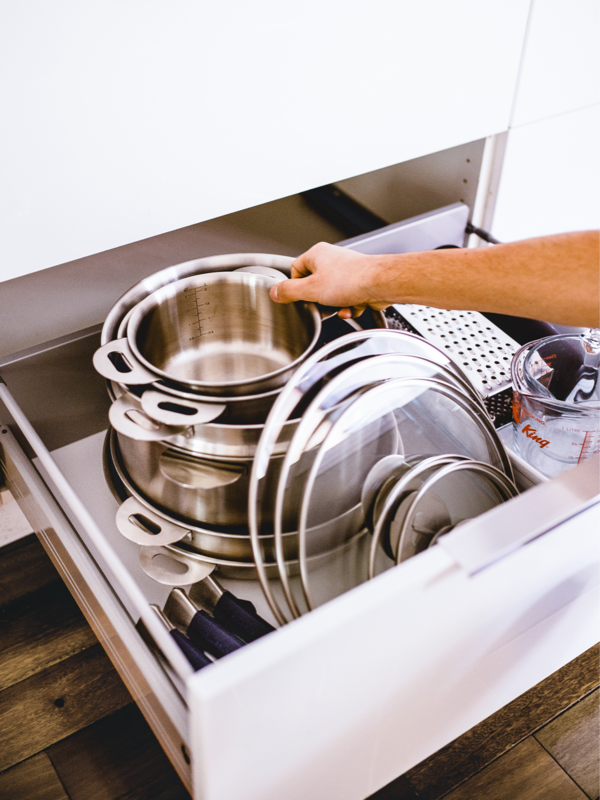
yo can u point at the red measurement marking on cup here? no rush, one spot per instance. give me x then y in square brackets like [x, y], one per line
[589, 446]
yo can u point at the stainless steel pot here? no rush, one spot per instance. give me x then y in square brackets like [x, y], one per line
[220, 334]
[205, 488]
[144, 523]
[129, 418]
[198, 266]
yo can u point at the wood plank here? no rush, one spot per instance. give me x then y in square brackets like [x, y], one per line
[468, 754]
[116, 757]
[39, 630]
[526, 772]
[400, 789]
[34, 779]
[573, 739]
[24, 568]
[57, 702]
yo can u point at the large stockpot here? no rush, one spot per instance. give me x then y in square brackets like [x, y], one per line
[144, 523]
[219, 334]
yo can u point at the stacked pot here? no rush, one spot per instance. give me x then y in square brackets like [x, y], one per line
[242, 440]
[195, 356]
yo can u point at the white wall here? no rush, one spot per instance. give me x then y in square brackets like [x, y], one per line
[123, 120]
[551, 173]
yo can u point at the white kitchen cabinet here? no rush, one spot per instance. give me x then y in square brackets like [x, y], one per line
[549, 181]
[560, 71]
[550, 172]
[123, 121]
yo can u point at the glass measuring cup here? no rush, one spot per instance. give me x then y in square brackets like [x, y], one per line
[556, 401]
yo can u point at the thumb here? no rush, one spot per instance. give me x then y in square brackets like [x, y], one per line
[289, 291]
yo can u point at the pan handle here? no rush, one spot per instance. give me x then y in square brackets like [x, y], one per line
[116, 362]
[134, 423]
[176, 411]
[171, 568]
[142, 526]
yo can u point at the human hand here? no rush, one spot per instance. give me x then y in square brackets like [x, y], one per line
[333, 276]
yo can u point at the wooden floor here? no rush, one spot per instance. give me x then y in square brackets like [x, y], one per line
[69, 730]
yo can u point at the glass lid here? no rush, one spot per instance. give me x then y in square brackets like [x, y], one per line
[366, 397]
[317, 369]
[411, 417]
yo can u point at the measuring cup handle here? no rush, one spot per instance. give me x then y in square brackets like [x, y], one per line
[176, 411]
[116, 362]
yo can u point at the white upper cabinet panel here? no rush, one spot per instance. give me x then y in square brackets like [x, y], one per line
[126, 120]
[550, 175]
[561, 63]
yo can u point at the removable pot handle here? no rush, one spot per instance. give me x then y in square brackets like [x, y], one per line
[134, 423]
[171, 568]
[142, 526]
[176, 411]
[116, 362]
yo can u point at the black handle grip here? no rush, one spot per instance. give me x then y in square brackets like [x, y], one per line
[240, 617]
[196, 658]
[211, 636]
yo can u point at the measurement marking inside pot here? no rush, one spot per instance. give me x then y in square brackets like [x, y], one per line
[199, 320]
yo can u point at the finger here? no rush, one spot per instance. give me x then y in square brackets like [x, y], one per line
[289, 291]
[301, 267]
[357, 311]
[351, 313]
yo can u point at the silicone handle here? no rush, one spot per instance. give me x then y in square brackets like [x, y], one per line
[211, 636]
[116, 362]
[240, 617]
[142, 526]
[175, 411]
[196, 657]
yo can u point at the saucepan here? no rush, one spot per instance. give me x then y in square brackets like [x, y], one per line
[219, 334]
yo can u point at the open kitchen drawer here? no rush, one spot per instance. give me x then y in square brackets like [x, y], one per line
[337, 703]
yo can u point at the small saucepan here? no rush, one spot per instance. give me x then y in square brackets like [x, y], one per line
[219, 334]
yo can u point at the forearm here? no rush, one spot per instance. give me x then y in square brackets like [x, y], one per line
[554, 278]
